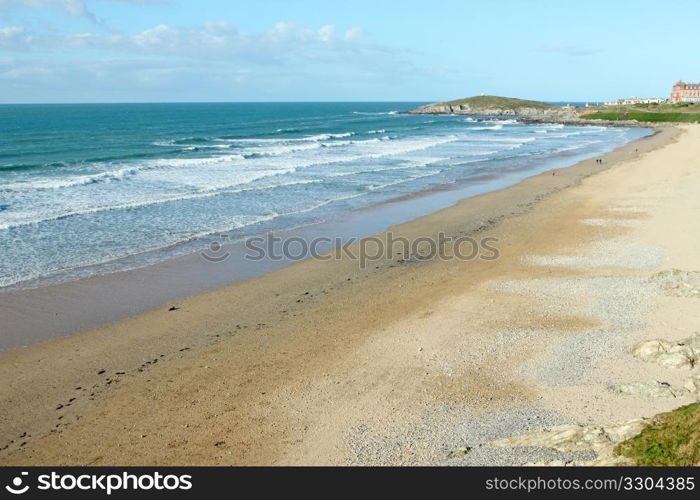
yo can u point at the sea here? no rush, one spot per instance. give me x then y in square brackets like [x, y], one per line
[98, 188]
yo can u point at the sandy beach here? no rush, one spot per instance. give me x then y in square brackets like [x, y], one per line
[404, 361]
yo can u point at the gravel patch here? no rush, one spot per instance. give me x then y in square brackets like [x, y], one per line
[615, 253]
[611, 222]
[453, 436]
[502, 456]
[609, 299]
[572, 359]
[632, 209]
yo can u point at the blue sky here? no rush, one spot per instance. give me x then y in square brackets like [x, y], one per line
[308, 50]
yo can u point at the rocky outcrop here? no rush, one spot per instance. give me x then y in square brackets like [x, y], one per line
[571, 438]
[683, 354]
[648, 389]
[551, 114]
[521, 109]
[678, 283]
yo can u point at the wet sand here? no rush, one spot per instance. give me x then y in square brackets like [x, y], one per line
[402, 362]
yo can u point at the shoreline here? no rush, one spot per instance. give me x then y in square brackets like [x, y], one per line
[37, 311]
[251, 363]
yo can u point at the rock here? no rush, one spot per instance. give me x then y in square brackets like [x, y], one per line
[489, 105]
[571, 438]
[651, 349]
[685, 353]
[654, 389]
[693, 385]
[678, 283]
[544, 115]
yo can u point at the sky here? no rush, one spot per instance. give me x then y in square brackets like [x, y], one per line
[356, 50]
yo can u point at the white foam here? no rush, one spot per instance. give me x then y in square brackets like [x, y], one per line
[203, 193]
[377, 113]
[498, 126]
[78, 180]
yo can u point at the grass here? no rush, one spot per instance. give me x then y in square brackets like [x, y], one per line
[683, 107]
[643, 116]
[492, 101]
[682, 112]
[672, 438]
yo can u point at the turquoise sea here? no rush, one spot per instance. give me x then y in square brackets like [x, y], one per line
[97, 187]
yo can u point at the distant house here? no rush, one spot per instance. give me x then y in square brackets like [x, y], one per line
[636, 100]
[685, 92]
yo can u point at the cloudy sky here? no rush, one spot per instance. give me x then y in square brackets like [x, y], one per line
[308, 50]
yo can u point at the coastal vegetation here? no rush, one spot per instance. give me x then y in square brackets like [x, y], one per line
[671, 439]
[643, 116]
[683, 112]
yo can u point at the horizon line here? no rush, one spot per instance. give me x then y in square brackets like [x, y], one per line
[58, 103]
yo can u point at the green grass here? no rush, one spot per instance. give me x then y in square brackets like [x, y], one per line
[667, 107]
[644, 116]
[492, 101]
[672, 438]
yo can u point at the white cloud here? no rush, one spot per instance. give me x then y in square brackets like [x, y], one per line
[14, 38]
[353, 34]
[213, 59]
[326, 33]
[72, 7]
[220, 40]
[161, 36]
[75, 8]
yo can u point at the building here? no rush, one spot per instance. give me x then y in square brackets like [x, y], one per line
[636, 100]
[685, 92]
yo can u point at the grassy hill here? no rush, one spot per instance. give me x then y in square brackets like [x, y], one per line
[492, 101]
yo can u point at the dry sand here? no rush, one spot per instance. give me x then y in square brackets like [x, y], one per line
[399, 363]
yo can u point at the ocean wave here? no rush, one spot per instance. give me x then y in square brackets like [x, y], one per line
[211, 182]
[80, 180]
[429, 173]
[336, 144]
[31, 166]
[190, 167]
[115, 175]
[382, 148]
[375, 113]
[205, 193]
[225, 142]
[573, 147]
[253, 152]
[497, 126]
[424, 162]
